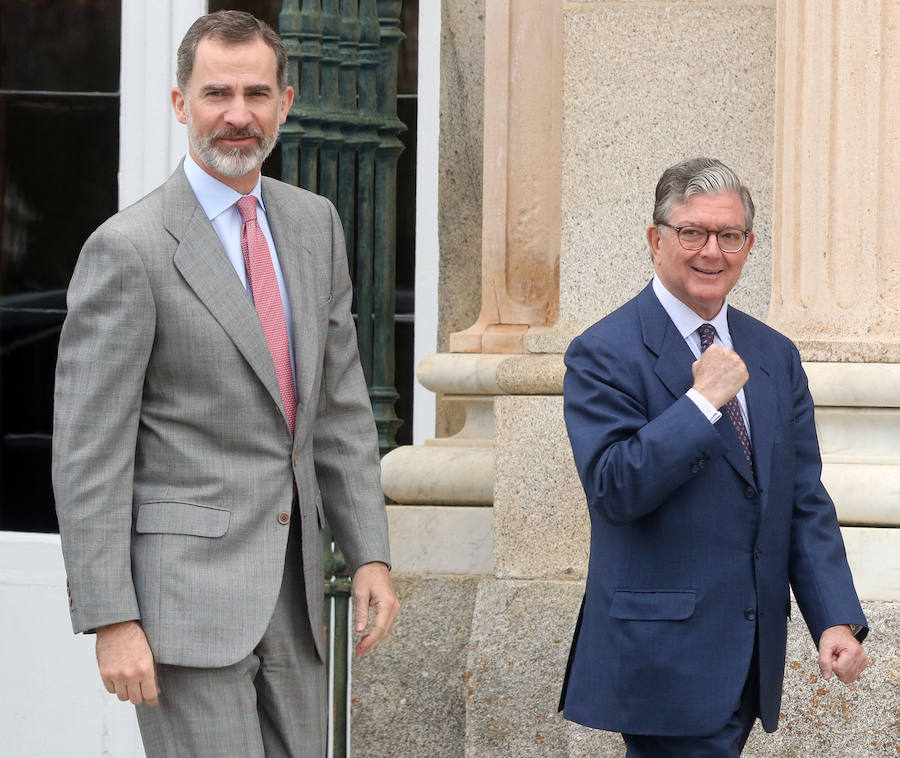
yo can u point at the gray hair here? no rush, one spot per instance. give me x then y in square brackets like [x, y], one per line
[695, 177]
[231, 28]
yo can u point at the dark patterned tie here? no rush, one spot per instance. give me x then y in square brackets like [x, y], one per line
[707, 333]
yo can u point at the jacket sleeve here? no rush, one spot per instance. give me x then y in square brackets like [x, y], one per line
[819, 572]
[629, 460]
[103, 352]
[345, 443]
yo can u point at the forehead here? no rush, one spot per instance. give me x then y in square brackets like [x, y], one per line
[218, 62]
[714, 209]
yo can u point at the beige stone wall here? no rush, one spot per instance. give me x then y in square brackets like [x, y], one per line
[647, 84]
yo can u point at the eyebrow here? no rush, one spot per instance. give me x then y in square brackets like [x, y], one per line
[683, 224]
[253, 88]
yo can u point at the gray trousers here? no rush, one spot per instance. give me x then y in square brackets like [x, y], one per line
[271, 704]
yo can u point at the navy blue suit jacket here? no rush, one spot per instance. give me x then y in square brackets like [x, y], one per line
[691, 550]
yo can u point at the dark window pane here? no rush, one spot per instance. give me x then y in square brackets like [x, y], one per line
[59, 162]
[264, 10]
[408, 68]
[70, 45]
[60, 165]
[406, 195]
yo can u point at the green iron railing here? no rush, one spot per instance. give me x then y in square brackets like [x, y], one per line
[340, 140]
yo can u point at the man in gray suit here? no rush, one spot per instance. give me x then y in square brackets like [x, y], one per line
[209, 418]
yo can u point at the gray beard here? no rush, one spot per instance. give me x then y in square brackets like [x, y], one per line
[238, 161]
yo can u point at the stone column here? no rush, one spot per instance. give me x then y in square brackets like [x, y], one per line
[522, 175]
[836, 275]
[836, 278]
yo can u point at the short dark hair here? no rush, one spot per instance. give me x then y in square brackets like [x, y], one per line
[698, 176]
[232, 28]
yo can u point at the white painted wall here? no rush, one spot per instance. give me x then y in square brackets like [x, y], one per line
[52, 702]
[427, 250]
[151, 141]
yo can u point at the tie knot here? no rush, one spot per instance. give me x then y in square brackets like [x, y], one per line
[247, 208]
[707, 333]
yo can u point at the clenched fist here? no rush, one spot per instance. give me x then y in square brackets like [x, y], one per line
[719, 374]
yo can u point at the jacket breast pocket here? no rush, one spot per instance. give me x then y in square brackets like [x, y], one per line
[652, 605]
[172, 517]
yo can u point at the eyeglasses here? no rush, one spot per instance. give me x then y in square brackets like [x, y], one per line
[730, 240]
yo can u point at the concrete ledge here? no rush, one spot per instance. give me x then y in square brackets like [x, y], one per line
[855, 385]
[429, 539]
[874, 557]
[439, 475]
[491, 374]
[864, 493]
[873, 385]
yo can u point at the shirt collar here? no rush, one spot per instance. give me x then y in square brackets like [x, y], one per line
[686, 320]
[214, 196]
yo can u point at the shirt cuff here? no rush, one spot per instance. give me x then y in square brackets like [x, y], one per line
[706, 407]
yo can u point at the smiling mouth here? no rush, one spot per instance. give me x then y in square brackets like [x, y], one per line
[707, 272]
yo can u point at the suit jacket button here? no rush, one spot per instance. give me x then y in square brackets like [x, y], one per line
[749, 493]
[284, 517]
[295, 460]
[750, 614]
[694, 468]
[701, 463]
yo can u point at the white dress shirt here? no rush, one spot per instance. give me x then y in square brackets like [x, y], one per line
[687, 322]
[218, 202]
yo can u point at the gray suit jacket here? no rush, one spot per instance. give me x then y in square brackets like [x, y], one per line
[172, 456]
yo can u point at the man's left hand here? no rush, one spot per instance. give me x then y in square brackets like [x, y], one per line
[840, 653]
[372, 587]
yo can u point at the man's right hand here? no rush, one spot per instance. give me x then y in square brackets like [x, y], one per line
[126, 663]
[719, 374]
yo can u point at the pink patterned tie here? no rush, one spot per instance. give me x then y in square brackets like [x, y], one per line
[267, 298]
[707, 333]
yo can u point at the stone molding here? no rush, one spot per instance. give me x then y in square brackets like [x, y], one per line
[522, 193]
[857, 416]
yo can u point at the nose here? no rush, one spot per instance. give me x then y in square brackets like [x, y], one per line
[238, 115]
[712, 245]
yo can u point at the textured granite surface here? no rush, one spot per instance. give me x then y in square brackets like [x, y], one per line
[541, 526]
[475, 666]
[409, 694]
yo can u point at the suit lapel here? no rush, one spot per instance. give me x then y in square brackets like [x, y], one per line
[202, 261]
[297, 266]
[674, 357]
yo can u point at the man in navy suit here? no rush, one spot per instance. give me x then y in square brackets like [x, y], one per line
[693, 434]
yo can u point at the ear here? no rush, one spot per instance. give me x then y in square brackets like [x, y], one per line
[750, 240]
[287, 99]
[179, 104]
[653, 238]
